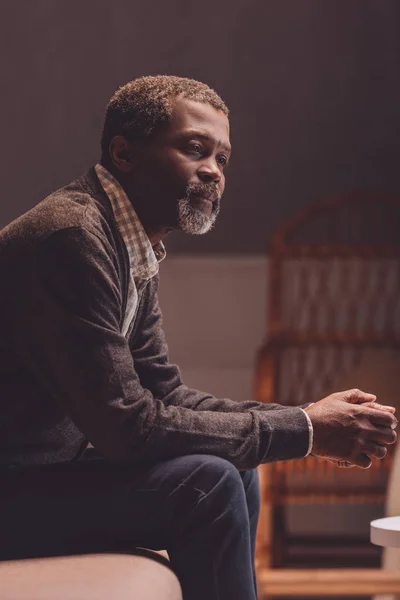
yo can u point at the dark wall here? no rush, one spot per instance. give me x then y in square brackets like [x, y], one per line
[313, 88]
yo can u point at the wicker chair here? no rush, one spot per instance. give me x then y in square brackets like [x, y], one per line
[334, 293]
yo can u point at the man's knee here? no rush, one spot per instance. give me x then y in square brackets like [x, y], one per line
[199, 482]
[221, 490]
[217, 492]
[202, 476]
[209, 472]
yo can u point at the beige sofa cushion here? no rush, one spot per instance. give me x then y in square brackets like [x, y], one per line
[89, 577]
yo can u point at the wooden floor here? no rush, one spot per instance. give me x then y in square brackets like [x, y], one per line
[328, 583]
[322, 598]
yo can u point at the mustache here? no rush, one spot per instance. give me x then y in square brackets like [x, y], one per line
[207, 191]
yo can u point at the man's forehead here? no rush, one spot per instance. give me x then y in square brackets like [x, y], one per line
[193, 115]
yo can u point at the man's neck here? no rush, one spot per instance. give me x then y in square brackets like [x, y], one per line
[156, 237]
[155, 233]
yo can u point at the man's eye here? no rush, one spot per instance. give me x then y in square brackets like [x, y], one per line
[222, 160]
[196, 148]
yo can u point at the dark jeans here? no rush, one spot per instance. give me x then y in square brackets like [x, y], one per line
[198, 507]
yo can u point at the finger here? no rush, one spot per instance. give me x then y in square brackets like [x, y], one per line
[363, 461]
[381, 418]
[383, 435]
[356, 396]
[375, 450]
[378, 406]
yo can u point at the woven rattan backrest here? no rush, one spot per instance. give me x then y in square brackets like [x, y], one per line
[334, 291]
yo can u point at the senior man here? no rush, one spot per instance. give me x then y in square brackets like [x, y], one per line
[84, 359]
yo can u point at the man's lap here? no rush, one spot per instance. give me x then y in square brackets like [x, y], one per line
[91, 505]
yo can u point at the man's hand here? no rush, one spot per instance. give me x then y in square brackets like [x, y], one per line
[351, 426]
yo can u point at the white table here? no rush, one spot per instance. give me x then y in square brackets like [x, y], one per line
[386, 532]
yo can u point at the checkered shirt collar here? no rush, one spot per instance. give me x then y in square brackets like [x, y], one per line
[143, 257]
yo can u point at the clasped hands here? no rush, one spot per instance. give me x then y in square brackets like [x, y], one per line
[351, 428]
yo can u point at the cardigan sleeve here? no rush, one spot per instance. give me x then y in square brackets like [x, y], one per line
[69, 337]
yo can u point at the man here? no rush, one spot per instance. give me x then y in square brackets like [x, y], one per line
[83, 359]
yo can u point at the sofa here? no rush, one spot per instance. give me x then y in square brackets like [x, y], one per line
[146, 576]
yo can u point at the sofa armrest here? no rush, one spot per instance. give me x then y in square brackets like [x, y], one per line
[93, 577]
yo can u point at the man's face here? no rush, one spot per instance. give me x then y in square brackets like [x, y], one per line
[179, 172]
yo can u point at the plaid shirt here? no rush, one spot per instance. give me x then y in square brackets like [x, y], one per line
[143, 257]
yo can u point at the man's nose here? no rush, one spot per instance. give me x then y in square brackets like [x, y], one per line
[209, 171]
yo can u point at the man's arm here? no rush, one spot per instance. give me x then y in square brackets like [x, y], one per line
[68, 334]
[150, 353]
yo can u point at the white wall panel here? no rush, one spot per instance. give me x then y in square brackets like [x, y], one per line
[214, 310]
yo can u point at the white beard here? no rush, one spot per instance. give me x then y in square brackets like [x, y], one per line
[193, 220]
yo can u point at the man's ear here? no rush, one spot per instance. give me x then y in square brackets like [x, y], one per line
[121, 154]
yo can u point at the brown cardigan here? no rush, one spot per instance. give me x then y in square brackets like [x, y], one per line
[67, 375]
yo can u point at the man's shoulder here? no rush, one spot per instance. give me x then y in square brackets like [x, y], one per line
[79, 204]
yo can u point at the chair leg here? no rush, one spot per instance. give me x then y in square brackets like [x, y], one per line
[265, 529]
[278, 517]
[279, 542]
